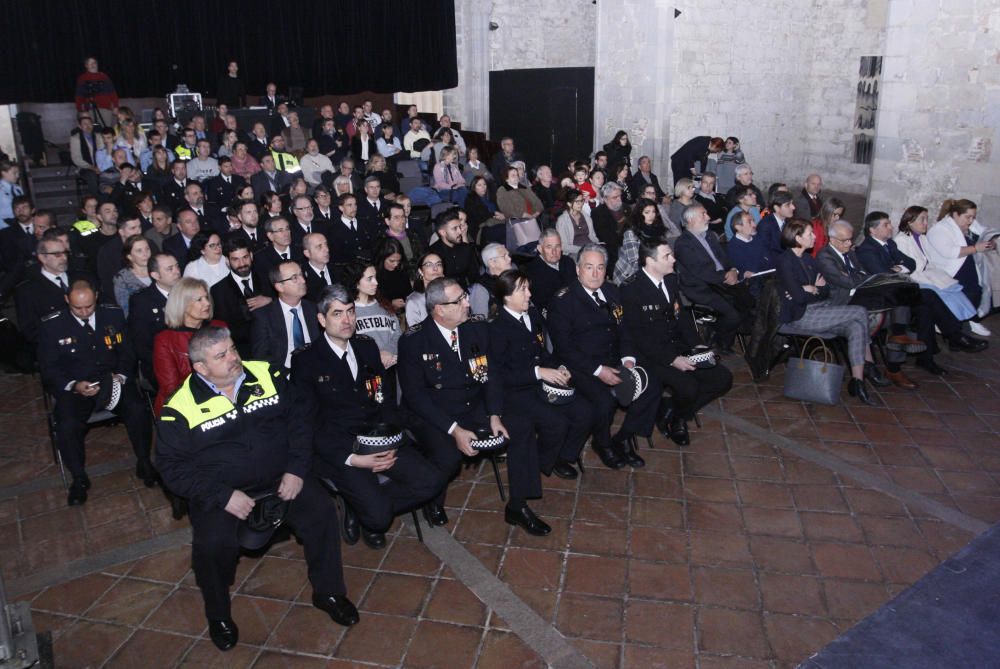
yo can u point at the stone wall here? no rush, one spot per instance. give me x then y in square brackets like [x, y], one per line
[940, 108]
[542, 33]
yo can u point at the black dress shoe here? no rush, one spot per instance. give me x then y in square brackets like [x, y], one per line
[967, 344]
[372, 538]
[526, 518]
[609, 457]
[352, 528]
[663, 424]
[84, 481]
[224, 633]
[679, 431]
[564, 470]
[931, 367]
[77, 493]
[340, 609]
[628, 452]
[857, 388]
[875, 377]
[434, 514]
[145, 472]
[178, 506]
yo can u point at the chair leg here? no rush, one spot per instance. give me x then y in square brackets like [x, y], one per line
[416, 526]
[496, 473]
[649, 440]
[697, 420]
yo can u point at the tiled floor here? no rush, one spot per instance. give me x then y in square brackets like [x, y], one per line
[730, 553]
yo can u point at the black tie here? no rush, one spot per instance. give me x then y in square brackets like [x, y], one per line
[86, 326]
[62, 284]
[354, 225]
[281, 162]
[322, 275]
[284, 256]
[847, 263]
[524, 323]
[253, 236]
[601, 303]
[663, 289]
[247, 292]
[888, 253]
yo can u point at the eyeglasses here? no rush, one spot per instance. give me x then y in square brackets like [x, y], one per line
[842, 241]
[433, 265]
[302, 208]
[53, 253]
[279, 230]
[213, 245]
[297, 275]
[461, 298]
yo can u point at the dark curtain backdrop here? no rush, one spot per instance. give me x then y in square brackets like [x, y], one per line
[147, 47]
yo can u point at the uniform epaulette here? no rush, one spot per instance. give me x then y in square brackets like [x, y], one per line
[363, 337]
[413, 329]
[561, 292]
[116, 307]
[629, 279]
[477, 318]
[49, 317]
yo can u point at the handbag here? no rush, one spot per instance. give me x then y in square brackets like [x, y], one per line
[812, 380]
[522, 231]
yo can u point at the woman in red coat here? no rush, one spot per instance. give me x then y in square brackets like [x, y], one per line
[189, 307]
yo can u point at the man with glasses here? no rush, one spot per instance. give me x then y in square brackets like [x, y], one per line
[279, 234]
[287, 323]
[744, 177]
[448, 383]
[44, 289]
[305, 220]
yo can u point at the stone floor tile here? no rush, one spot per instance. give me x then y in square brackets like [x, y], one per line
[169, 566]
[791, 593]
[657, 512]
[88, 644]
[733, 588]
[556, 540]
[276, 578]
[128, 602]
[651, 484]
[452, 602]
[503, 650]
[661, 624]
[183, 612]
[706, 661]
[764, 494]
[532, 568]
[795, 638]
[662, 544]
[712, 516]
[379, 639]
[726, 631]
[275, 660]
[609, 510]
[147, 648]
[657, 580]
[782, 555]
[706, 464]
[830, 527]
[646, 657]
[903, 565]
[306, 629]
[411, 557]
[598, 539]
[774, 522]
[850, 561]
[709, 489]
[602, 655]
[595, 575]
[437, 644]
[590, 617]
[482, 527]
[73, 597]
[727, 548]
[852, 599]
[256, 617]
[397, 594]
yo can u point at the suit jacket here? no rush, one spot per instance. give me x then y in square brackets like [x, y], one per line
[269, 335]
[346, 245]
[37, 297]
[585, 335]
[231, 307]
[367, 212]
[879, 259]
[806, 207]
[272, 105]
[514, 354]
[314, 284]
[695, 267]
[172, 194]
[637, 184]
[656, 325]
[256, 149]
[461, 262]
[438, 385]
[793, 273]
[13, 240]
[839, 278]
[356, 148]
[261, 183]
[268, 258]
[256, 245]
[109, 262]
[298, 234]
[340, 405]
[145, 320]
[770, 234]
[175, 246]
[66, 352]
[546, 282]
[220, 193]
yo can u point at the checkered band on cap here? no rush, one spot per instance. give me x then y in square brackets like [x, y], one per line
[382, 440]
[487, 443]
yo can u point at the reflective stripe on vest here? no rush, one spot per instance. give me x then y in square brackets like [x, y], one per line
[219, 406]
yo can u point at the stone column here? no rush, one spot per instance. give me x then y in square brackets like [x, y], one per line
[469, 102]
[634, 76]
[939, 109]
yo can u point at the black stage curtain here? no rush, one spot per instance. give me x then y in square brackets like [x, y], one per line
[148, 47]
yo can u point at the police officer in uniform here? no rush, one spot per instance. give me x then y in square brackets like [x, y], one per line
[585, 321]
[663, 337]
[445, 374]
[339, 378]
[232, 433]
[83, 352]
[522, 362]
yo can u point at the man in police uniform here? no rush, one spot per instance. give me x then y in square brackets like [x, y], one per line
[663, 336]
[82, 352]
[585, 321]
[339, 378]
[231, 433]
[444, 373]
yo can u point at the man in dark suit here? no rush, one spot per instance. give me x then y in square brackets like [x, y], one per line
[210, 217]
[769, 228]
[663, 337]
[179, 245]
[339, 379]
[461, 261]
[248, 216]
[83, 351]
[172, 192]
[447, 384]
[271, 99]
[350, 237]
[280, 247]
[270, 178]
[644, 177]
[238, 296]
[371, 207]
[316, 265]
[44, 289]
[609, 218]
[221, 190]
[501, 161]
[18, 239]
[286, 324]
[305, 220]
[145, 309]
[809, 203]
[585, 321]
[109, 258]
[550, 272]
[708, 279]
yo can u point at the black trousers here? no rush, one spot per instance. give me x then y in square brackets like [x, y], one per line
[440, 448]
[734, 306]
[932, 311]
[410, 483]
[215, 549]
[540, 435]
[71, 412]
[693, 390]
[640, 416]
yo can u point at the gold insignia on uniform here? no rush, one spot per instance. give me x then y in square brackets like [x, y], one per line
[479, 368]
[617, 312]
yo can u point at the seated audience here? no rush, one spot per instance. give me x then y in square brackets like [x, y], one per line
[575, 228]
[644, 223]
[392, 273]
[684, 191]
[288, 322]
[713, 202]
[206, 260]
[482, 297]
[744, 178]
[430, 266]
[134, 276]
[461, 260]
[747, 253]
[515, 201]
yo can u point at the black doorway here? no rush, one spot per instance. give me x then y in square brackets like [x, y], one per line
[549, 113]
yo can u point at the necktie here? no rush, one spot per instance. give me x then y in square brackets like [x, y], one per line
[227, 180]
[284, 256]
[354, 225]
[62, 284]
[454, 342]
[663, 289]
[847, 263]
[247, 292]
[281, 162]
[298, 337]
[322, 275]
[253, 236]
[86, 326]
[524, 323]
[601, 303]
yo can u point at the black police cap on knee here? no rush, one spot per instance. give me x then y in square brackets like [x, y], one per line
[266, 516]
[633, 385]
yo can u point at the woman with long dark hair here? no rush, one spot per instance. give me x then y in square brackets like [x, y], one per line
[644, 223]
[392, 273]
[619, 150]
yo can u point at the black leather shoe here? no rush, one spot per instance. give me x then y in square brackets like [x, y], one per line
[77, 493]
[352, 528]
[372, 538]
[628, 452]
[931, 367]
[875, 376]
[434, 514]
[178, 506]
[526, 518]
[609, 457]
[84, 481]
[857, 388]
[967, 344]
[224, 633]
[145, 472]
[564, 470]
[340, 609]
[663, 424]
[679, 431]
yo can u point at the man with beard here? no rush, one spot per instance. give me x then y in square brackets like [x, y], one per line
[241, 293]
